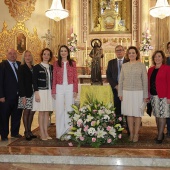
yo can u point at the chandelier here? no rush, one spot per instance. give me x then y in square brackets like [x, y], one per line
[161, 9]
[56, 12]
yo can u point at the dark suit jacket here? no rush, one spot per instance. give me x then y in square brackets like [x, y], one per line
[25, 81]
[8, 82]
[112, 72]
[168, 61]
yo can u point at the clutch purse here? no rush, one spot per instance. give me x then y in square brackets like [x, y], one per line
[143, 106]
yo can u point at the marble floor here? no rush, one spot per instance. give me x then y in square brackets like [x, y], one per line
[7, 166]
[65, 158]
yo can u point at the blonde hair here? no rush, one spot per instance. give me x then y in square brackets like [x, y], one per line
[23, 57]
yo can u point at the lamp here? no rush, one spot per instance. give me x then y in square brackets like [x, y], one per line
[161, 9]
[56, 12]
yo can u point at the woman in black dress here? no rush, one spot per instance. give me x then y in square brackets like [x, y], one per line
[26, 92]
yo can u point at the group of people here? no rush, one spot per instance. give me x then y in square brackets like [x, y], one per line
[27, 88]
[133, 87]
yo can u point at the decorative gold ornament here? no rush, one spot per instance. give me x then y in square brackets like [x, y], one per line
[20, 38]
[20, 10]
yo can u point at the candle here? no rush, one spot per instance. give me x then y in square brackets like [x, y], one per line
[86, 49]
[126, 43]
[121, 42]
[71, 30]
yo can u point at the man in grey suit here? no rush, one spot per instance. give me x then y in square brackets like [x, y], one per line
[113, 72]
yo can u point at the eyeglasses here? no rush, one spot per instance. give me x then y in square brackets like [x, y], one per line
[119, 50]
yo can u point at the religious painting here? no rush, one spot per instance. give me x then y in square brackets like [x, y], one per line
[20, 42]
[110, 16]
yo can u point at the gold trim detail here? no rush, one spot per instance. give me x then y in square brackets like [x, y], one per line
[20, 10]
[9, 40]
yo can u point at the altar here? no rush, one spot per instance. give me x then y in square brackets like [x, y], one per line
[84, 79]
[101, 93]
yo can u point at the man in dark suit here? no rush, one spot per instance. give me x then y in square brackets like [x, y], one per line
[9, 96]
[168, 63]
[113, 72]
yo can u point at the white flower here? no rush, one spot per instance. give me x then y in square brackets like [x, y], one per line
[108, 111]
[98, 121]
[78, 133]
[89, 118]
[112, 132]
[91, 131]
[100, 133]
[100, 112]
[76, 117]
[106, 117]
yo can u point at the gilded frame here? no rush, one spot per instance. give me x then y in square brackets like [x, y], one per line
[21, 42]
[110, 21]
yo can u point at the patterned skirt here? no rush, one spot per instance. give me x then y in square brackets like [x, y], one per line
[28, 103]
[160, 107]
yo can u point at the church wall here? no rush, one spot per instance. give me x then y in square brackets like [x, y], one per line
[38, 24]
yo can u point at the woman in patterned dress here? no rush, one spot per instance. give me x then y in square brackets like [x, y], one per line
[26, 92]
[159, 91]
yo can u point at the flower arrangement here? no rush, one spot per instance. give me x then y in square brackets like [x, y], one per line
[72, 43]
[95, 124]
[146, 39]
[88, 63]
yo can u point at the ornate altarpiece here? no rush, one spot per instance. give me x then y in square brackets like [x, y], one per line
[19, 37]
[117, 24]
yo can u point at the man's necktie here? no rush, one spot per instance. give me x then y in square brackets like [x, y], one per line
[120, 64]
[16, 70]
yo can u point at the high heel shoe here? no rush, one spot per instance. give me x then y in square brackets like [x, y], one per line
[159, 141]
[27, 136]
[32, 135]
[131, 137]
[48, 137]
[136, 138]
[43, 138]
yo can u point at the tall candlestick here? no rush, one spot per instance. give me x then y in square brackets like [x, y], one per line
[126, 43]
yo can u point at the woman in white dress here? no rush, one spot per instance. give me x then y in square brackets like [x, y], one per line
[42, 99]
[133, 91]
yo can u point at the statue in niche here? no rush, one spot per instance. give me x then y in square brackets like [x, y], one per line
[108, 17]
[96, 54]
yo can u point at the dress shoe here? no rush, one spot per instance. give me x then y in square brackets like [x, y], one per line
[43, 138]
[32, 135]
[4, 139]
[28, 138]
[16, 136]
[159, 141]
[48, 137]
[131, 137]
[135, 138]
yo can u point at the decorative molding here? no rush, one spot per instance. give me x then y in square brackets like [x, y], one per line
[135, 23]
[85, 20]
[20, 10]
[8, 39]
